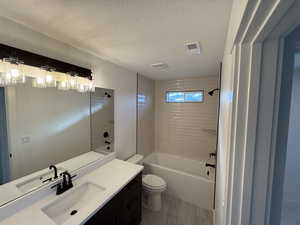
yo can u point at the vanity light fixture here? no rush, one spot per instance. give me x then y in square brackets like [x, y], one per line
[45, 71]
[12, 71]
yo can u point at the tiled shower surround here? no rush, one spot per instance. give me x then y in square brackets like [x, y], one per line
[186, 129]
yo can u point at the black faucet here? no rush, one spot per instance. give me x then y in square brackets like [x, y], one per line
[66, 183]
[55, 171]
[107, 142]
[210, 165]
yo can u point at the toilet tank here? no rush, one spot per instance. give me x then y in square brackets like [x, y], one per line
[136, 159]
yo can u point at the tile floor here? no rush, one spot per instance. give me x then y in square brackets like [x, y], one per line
[177, 212]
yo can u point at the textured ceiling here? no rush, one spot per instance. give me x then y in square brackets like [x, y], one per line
[134, 33]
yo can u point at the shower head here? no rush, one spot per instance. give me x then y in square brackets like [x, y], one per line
[211, 93]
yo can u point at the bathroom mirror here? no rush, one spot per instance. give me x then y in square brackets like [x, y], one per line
[45, 126]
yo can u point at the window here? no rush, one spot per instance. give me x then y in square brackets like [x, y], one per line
[184, 96]
[141, 98]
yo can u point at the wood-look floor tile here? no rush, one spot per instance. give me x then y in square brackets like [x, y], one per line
[177, 212]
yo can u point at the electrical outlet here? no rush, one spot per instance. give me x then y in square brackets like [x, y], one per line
[25, 140]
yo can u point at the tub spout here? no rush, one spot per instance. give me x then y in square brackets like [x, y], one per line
[210, 165]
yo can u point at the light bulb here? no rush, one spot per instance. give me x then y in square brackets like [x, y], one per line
[63, 85]
[49, 79]
[50, 82]
[8, 79]
[15, 73]
[91, 87]
[2, 81]
[46, 75]
[72, 81]
[22, 75]
[39, 82]
[82, 88]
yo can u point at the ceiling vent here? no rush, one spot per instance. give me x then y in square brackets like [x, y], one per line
[160, 66]
[193, 48]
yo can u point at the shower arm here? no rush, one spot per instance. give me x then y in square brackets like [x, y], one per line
[211, 93]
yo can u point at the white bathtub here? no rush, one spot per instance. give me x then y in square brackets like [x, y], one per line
[186, 178]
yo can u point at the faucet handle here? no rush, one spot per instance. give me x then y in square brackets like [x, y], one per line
[47, 180]
[64, 184]
[67, 182]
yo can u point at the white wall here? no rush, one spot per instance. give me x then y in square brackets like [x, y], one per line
[107, 75]
[184, 129]
[146, 116]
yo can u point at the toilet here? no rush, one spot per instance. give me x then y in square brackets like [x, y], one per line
[153, 186]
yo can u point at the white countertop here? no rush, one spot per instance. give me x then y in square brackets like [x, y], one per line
[9, 191]
[113, 176]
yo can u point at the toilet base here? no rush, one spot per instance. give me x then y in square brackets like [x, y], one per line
[152, 200]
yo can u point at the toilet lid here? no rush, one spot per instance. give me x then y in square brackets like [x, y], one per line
[153, 181]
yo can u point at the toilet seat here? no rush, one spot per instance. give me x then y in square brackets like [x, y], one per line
[153, 182]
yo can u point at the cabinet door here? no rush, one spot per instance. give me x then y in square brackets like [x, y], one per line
[124, 209]
[107, 215]
[130, 213]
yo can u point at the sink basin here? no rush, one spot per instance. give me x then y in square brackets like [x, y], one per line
[73, 202]
[36, 180]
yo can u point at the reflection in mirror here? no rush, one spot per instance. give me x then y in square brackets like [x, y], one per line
[46, 126]
[102, 120]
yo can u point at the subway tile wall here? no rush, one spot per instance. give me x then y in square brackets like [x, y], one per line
[186, 129]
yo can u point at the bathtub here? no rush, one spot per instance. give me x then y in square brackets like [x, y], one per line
[186, 179]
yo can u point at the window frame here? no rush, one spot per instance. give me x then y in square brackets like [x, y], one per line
[185, 91]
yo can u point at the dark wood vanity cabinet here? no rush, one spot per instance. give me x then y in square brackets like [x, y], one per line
[124, 209]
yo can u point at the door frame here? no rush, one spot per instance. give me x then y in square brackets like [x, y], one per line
[257, 78]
